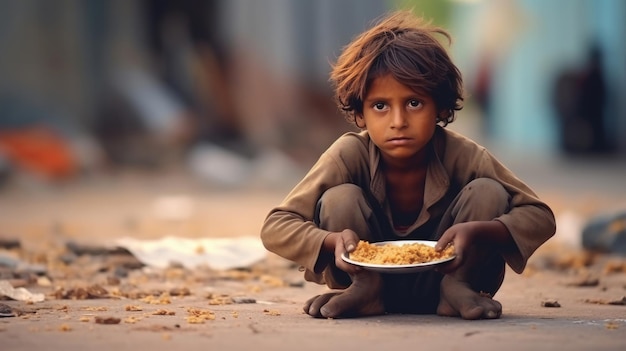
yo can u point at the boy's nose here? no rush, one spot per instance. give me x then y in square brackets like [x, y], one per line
[398, 119]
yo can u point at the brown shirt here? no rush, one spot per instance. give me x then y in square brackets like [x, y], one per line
[289, 229]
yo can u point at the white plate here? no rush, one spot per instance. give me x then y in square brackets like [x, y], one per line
[399, 268]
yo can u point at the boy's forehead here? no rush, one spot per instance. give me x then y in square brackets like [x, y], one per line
[383, 83]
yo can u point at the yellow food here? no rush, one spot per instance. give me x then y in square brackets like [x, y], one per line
[398, 255]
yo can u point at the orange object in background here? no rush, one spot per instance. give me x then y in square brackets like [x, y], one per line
[39, 150]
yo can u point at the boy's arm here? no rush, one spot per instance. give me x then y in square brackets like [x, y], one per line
[530, 222]
[290, 230]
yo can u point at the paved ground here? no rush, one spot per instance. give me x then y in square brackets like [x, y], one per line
[99, 209]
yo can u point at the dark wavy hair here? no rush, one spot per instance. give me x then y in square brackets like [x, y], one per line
[406, 47]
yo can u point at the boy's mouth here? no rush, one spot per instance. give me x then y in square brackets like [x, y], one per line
[399, 140]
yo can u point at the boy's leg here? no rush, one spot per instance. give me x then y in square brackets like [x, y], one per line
[482, 199]
[468, 290]
[345, 207]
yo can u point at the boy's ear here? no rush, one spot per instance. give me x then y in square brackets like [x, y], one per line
[359, 121]
[443, 115]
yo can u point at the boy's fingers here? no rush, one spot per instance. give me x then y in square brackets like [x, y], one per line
[445, 240]
[442, 243]
[350, 246]
[349, 242]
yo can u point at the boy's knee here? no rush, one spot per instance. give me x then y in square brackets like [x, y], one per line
[486, 185]
[344, 207]
[486, 197]
[344, 197]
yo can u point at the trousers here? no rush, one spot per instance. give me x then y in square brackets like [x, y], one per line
[347, 207]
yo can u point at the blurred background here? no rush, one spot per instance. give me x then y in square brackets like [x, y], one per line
[237, 91]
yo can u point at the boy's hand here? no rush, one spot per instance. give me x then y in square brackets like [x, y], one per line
[461, 235]
[340, 243]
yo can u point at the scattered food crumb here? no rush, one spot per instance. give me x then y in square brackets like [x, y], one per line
[271, 312]
[621, 302]
[575, 261]
[550, 304]
[180, 292]
[81, 293]
[131, 320]
[98, 308]
[199, 316]
[107, 320]
[162, 312]
[614, 266]
[273, 281]
[44, 281]
[220, 299]
[585, 282]
[163, 299]
[133, 308]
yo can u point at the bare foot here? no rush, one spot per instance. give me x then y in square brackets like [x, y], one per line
[361, 298]
[458, 299]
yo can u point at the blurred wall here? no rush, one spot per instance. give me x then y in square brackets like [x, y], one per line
[528, 44]
[67, 62]
[107, 67]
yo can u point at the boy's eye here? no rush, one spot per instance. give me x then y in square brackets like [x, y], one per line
[379, 106]
[414, 103]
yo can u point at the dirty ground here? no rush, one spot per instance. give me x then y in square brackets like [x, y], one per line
[102, 298]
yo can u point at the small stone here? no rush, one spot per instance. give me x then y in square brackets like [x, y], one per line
[107, 320]
[6, 311]
[242, 300]
[550, 304]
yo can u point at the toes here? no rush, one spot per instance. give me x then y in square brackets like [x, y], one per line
[307, 304]
[348, 305]
[491, 315]
[474, 312]
[493, 311]
[485, 308]
[315, 304]
[336, 307]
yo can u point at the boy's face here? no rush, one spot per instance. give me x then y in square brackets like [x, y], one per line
[399, 121]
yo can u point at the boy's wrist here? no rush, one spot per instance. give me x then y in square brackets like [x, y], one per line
[328, 245]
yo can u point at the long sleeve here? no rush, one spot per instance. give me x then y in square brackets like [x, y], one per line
[530, 221]
[289, 229]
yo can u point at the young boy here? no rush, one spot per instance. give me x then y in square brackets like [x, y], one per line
[405, 177]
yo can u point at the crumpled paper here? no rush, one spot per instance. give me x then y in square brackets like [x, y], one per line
[20, 294]
[215, 253]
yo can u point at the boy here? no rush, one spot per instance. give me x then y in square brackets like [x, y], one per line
[406, 177]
